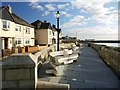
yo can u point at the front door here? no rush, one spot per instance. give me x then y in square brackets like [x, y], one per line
[6, 43]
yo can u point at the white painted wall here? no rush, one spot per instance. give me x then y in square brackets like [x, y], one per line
[3, 46]
[10, 43]
[50, 36]
[0, 43]
[12, 33]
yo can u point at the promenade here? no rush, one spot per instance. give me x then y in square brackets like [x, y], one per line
[88, 72]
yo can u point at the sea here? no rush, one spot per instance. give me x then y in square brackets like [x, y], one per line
[110, 44]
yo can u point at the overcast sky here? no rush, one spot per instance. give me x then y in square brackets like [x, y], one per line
[95, 19]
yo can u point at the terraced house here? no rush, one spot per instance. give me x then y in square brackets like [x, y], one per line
[45, 34]
[14, 31]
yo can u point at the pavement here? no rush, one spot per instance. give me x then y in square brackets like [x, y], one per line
[88, 72]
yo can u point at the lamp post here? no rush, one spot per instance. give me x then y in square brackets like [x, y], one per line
[58, 30]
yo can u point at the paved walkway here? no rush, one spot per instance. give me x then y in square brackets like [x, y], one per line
[88, 72]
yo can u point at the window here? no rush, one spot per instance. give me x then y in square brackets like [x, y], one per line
[6, 24]
[27, 30]
[18, 40]
[18, 28]
[27, 40]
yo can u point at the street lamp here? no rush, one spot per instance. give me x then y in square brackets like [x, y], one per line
[58, 30]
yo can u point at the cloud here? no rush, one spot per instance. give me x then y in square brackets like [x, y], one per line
[65, 14]
[34, 0]
[50, 7]
[35, 5]
[75, 21]
[46, 13]
[62, 6]
[99, 13]
[105, 17]
[82, 10]
[97, 32]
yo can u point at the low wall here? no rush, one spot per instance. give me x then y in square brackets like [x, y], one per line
[0, 55]
[32, 48]
[44, 53]
[110, 56]
[19, 71]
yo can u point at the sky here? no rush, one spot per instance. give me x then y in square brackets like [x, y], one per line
[95, 19]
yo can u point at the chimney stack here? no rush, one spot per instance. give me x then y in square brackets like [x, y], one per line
[45, 21]
[9, 8]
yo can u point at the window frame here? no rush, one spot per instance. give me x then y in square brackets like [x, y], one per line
[27, 40]
[18, 40]
[18, 28]
[27, 30]
[6, 24]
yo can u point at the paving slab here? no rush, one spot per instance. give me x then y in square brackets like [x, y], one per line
[88, 72]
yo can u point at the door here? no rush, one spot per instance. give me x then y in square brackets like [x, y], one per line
[6, 43]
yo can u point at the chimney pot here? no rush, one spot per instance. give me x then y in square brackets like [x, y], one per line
[45, 21]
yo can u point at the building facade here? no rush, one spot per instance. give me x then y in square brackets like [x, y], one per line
[14, 31]
[45, 34]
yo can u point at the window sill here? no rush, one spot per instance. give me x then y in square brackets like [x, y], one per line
[6, 29]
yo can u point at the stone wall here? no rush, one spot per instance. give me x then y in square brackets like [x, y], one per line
[0, 48]
[43, 54]
[0, 55]
[19, 71]
[110, 56]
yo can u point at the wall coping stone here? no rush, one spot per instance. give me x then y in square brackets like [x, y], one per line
[26, 60]
[42, 51]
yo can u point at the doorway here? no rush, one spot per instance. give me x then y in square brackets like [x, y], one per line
[6, 43]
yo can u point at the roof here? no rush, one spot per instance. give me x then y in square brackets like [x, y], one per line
[54, 28]
[5, 14]
[43, 25]
[36, 23]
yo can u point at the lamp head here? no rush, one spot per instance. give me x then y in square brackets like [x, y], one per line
[57, 14]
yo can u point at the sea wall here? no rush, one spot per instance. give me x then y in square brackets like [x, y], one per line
[110, 55]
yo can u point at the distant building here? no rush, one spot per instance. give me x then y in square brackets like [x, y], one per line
[89, 40]
[69, 39]
[14, 31]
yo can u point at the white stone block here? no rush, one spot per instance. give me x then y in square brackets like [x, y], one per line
[50, 71]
